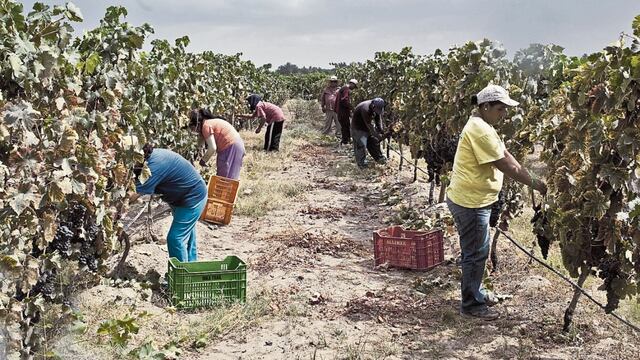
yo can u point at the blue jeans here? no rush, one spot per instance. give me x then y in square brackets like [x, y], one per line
[360, 145]
[181, 240]
[473, 228]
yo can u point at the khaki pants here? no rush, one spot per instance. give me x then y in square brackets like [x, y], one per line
[330, 117]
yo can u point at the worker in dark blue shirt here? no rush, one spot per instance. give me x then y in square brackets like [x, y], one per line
[182, 187]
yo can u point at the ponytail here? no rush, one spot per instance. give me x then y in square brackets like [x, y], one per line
[474, 100]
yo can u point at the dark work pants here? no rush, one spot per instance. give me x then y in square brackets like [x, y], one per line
[373, 147]
[272, 136]
[345, 126]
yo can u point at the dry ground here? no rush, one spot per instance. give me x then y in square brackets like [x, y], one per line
[303, 223]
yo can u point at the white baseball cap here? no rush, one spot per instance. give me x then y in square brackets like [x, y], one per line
[354, 82]
[333, 78]
[495, 93]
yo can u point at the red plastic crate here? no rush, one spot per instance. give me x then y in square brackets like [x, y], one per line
[408, 249]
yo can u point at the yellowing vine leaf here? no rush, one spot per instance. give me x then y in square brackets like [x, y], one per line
[145, 174]
[49, 225]
[68, 140]
[120, 174]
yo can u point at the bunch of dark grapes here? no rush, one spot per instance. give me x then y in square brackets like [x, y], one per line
[79, 232]
[540, 222]
[77, 213]
[439, 153]
[87, 256]
[45, 285]
[609, 270]
[496, 209]
[35, 249]
[598, 249]
[63, 238]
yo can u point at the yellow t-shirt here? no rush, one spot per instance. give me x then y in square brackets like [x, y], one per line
[475, 181]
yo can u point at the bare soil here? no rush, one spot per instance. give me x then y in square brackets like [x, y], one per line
[312, 265]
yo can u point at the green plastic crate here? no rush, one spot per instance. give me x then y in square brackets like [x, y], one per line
[207, 283]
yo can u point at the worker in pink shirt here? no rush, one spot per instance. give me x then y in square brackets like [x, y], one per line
[328, 105]
[270, 114]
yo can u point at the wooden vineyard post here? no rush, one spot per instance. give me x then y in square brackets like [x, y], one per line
[401, 157]
[432, 187]
[568, 314]
[443, 190]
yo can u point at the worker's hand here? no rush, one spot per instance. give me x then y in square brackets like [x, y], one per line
[133, 196]
[203, 163]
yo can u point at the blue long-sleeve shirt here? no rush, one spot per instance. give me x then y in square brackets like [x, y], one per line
[174, 178]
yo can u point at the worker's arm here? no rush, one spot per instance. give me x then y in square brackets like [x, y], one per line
[211, 149]
[262, 121]
[512, 168]
[379, 124]
[133, 197]
[245, 116]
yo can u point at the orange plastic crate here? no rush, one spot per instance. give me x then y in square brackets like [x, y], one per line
[217, 212]
[417, 250]
[223, 189]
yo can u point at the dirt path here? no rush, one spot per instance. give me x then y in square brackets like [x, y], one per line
[313, 292]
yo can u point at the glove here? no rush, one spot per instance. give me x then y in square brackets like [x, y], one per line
[203, 163]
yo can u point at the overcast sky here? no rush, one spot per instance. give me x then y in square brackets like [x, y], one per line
[317, 33]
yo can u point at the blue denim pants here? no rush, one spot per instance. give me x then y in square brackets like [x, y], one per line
[181, 240]
[473, 229]
[360, 145]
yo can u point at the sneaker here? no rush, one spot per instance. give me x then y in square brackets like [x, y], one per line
[484, 314]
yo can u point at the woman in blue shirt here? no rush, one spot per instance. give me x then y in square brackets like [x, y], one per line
[182, 187]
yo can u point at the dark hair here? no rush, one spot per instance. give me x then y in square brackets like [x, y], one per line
[474, 101]
[197, 116]
[147, 149]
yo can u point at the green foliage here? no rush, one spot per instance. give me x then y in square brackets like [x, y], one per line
[148, 352]
[66, 103]
[119, 331]
[583, 111]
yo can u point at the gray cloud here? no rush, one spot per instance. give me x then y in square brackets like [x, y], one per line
[316, 33]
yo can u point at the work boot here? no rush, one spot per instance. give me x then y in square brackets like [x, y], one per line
[382, 160]
[483, 314]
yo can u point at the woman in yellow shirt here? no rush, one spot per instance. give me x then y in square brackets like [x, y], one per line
[481, 160]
